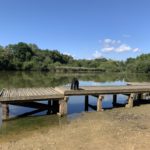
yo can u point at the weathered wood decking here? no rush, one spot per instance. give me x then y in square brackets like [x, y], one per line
[57, 97]
[96, 90]
[28, 97]
[34, 94]
[29, 94]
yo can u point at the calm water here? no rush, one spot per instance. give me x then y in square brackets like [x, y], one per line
[76, 103]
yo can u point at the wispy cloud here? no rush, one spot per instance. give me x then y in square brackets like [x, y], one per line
[111, 45]
[97, 54]
[136, 50]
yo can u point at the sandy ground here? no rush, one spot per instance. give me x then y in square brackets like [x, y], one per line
[117, 129]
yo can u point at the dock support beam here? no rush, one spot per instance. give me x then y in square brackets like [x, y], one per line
[49, 107]
[99, 103]
[139, 97]
[130, 100]
[5, 111]
[63, 109]
[114, 100]
[86, 102]
[55, 106]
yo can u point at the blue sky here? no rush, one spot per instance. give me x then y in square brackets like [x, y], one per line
[115, 29]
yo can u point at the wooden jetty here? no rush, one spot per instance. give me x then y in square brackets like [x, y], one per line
[57, 98]
[31, 97]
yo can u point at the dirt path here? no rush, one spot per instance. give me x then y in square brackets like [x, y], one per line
[117, 129]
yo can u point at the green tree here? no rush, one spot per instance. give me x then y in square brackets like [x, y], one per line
[22, 52]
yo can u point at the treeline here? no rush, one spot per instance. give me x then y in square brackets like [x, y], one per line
[23, 56]
[141, 64]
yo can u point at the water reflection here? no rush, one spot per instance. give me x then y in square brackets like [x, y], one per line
[38, 79]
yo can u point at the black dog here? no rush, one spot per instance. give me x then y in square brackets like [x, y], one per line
[75, 84]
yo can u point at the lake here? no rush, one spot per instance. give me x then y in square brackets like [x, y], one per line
[76, 103]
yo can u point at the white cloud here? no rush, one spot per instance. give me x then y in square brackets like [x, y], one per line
[123, 48]
[107, 49]
[110, 41]
[66, 53]
[97, 54]
[136, 50]
[110, 45]
[107, 40]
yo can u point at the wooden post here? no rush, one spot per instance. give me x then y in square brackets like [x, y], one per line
[55, 107]
[86, 102]
[49, 107]
[63, 106]
[130, 100]
[139, 97]
[99, 103]
[5, 111]
[114, 100]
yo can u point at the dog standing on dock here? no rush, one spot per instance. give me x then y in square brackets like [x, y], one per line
[75, 84]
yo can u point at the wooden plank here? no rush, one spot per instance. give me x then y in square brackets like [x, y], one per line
[47, 92]
[31, 105]
[138, 83]
[26, 92]
[16, 92]
[36, 93]
[52, 90]
[22, 91]
[40, 91]
[31, 98]
[31, 91]
[61, 90]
